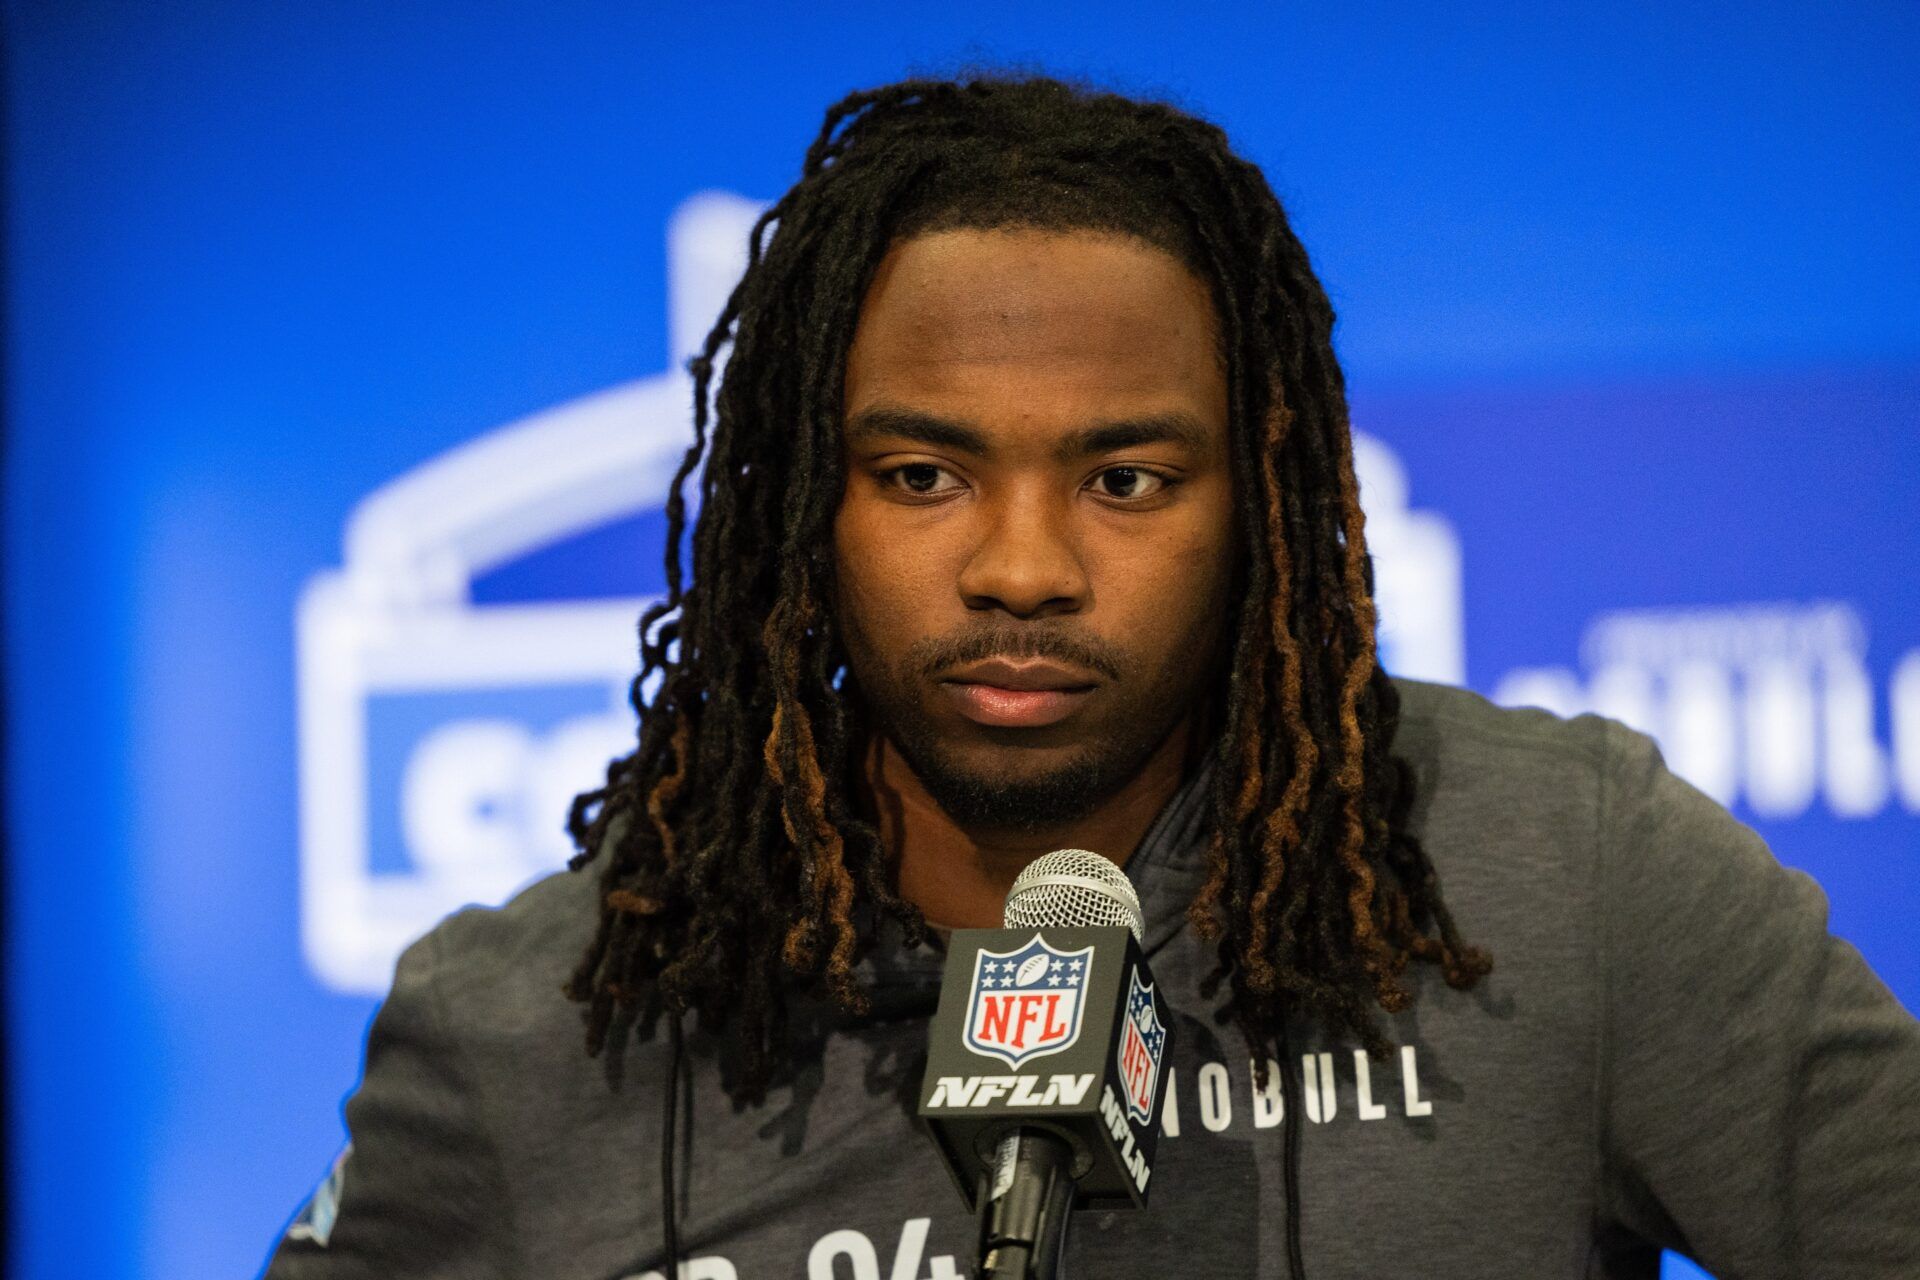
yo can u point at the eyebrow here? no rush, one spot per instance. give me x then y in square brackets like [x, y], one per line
[1100, 437]
[1130, 433]
[921, 428]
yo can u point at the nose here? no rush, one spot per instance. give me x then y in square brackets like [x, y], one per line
[1027, 561]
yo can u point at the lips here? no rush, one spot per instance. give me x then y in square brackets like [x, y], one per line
[1010, 694]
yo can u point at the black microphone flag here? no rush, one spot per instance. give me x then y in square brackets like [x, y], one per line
[1059, 1030]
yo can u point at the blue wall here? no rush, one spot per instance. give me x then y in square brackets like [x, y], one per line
[1630, 300]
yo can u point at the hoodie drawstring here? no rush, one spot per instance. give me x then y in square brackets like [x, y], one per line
[1291, 1101]
[671, 1270]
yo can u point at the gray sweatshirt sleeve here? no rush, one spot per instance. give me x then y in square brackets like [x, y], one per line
[1760, 1087]
[421, 1191]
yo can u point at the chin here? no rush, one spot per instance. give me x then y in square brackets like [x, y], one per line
[1019, 788]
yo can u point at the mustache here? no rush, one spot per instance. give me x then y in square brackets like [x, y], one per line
[934, 654]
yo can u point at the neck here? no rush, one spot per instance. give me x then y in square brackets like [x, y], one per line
[959, 876]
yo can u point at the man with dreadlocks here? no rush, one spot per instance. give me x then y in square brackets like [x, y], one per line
[1028, 520]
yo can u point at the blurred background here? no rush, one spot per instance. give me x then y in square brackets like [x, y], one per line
[341, 373]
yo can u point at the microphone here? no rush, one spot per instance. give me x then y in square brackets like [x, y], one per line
[1063, 989]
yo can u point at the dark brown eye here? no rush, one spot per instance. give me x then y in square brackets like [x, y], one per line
[923, 479]
[1129, 482]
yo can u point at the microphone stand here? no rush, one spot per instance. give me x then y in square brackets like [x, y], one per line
[1023, 1212]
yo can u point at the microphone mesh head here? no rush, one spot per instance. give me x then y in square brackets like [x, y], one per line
[1071, 889]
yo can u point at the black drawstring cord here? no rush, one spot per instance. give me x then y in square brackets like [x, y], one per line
[672, 1268]
[1291, 1100]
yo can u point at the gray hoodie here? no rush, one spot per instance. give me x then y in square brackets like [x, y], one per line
[1671, 1052]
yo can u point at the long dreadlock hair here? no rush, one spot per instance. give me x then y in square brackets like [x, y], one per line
[737, 865]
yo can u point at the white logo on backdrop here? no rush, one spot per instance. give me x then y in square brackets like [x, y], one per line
[1422, 632]
[1768, 703]
[440, 741]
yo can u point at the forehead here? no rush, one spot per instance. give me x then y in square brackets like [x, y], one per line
[1038, 324]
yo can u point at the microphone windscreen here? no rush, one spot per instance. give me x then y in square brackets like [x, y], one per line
[1072, 888]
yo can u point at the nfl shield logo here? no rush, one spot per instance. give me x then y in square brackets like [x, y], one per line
[1027, 1003]
[1141, 1043]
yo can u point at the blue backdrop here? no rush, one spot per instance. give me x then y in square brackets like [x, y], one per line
[339, 346]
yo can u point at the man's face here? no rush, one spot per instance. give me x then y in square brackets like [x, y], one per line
[1035, 541]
